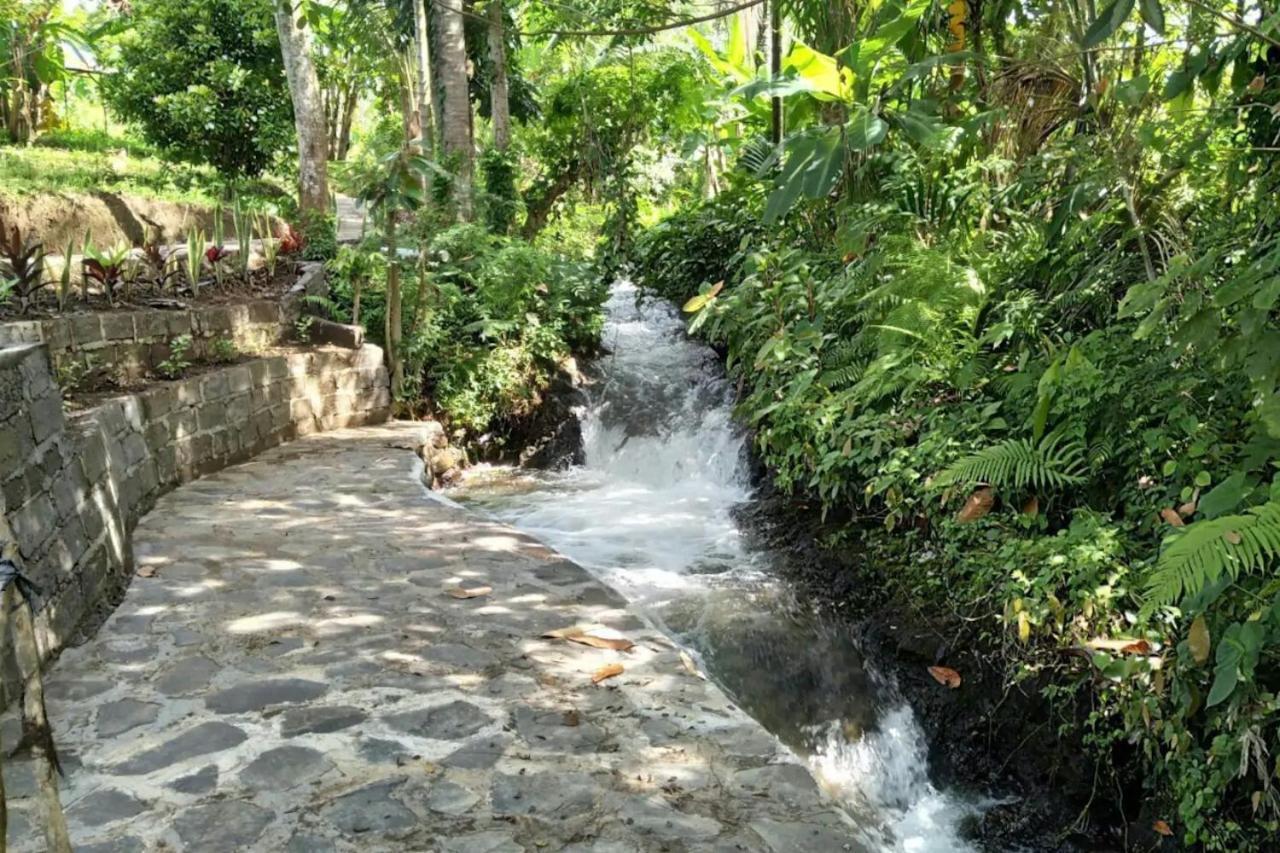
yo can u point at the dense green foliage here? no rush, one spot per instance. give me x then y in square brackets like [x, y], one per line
[1028, 354]
[489, 320]
[204, 82]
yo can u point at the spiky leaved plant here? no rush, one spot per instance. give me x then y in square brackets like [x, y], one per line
[194, 259]
[22, 264]
[270, 245]
[243, 222]
[108, 267]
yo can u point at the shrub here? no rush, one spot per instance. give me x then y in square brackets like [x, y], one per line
[205, 82]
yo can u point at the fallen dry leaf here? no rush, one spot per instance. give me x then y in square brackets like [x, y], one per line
[1163, 828]
[1172, 518]
[978, 505]
[596, 638]
[1198, 640]
[618, 644]
[945, 676]
[473, 592]
[1124, 645]
[607, 671]
[146, 571]
[690, 666]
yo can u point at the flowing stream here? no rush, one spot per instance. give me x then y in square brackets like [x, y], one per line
[650, 512]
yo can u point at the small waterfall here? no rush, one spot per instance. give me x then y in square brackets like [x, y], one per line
[650, 512]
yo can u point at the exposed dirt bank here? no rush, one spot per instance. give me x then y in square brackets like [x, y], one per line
[57, 219]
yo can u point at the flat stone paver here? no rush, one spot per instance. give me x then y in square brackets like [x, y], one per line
[309, 684]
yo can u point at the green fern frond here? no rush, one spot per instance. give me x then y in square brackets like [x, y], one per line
[1100, 453]
[1201, 553]
[1017, 463]
[843, 365]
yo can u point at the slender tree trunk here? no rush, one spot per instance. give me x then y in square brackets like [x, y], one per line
[296, 47]
[499, 99]
[456, 112]
[348, 115]
[394, 325]
[422, 46]
[775, 65]
[409, 104]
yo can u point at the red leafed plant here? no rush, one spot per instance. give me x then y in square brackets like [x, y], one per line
[291, 240]
[22, 264]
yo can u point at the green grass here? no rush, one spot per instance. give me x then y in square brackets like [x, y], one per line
[87, 161]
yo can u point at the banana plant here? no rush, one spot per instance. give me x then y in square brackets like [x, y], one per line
[859, 87]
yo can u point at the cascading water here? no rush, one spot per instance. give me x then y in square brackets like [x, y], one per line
[650, 512]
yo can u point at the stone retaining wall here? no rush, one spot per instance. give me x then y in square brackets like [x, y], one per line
[72, 488]
[131, 344]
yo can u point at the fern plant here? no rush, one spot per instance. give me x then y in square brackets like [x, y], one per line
[1200, 554]
[1015, 463]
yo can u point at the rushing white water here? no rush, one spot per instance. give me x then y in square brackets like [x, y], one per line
[650, 511]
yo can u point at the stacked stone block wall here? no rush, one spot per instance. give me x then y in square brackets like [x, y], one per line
[132, 343]
[72, 488]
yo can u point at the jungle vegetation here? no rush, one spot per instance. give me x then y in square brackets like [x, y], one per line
[997, 280]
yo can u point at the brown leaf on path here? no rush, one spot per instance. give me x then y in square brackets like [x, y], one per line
[1171, 517]
[618, 644]
[594, 637]
[690, 666]
[146, 571]
[978, 505]
[1163, 828]
[473, 592]
[607, 671]
[946, 676]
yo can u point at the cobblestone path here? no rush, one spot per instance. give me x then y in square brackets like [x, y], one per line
[289, 672]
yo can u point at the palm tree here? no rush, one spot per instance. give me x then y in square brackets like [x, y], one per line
[455, 114]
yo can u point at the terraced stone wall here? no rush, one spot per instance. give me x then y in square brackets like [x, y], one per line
[73, 487]
[132, 343]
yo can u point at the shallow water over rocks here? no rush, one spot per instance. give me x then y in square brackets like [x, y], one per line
[651, 512]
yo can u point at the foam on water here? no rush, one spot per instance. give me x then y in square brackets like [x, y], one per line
[650, 512]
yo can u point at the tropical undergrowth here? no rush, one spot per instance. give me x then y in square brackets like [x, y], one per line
[1043, 418]
[488, 320]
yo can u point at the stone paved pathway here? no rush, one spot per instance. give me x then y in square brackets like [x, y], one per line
[350, 219]
[293, 676]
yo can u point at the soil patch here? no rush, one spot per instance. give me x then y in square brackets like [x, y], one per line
[57, 219]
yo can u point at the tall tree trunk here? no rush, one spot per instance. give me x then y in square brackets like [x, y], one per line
[422, 51]
[499, 99]
[456, 112]
[296, 47]
[775, 66]
[344, 133]
[395, 326]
